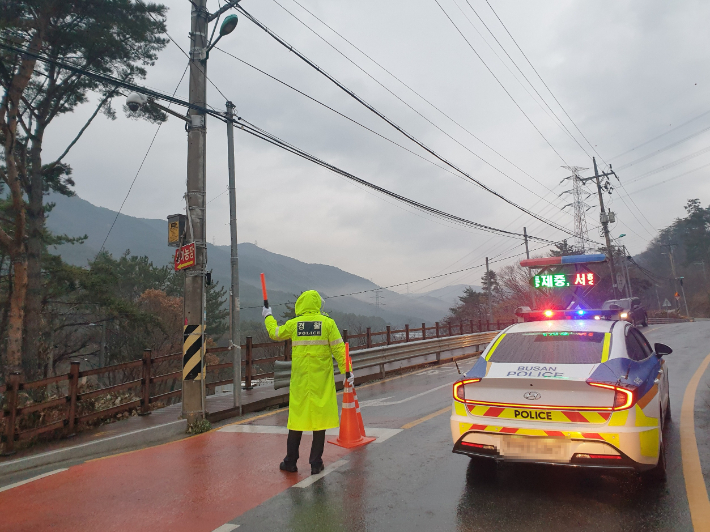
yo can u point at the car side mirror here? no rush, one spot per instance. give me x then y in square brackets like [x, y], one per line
[662, 349]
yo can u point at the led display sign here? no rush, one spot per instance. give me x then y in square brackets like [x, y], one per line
[564, 280]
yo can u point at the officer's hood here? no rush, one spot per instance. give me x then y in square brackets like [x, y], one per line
[309, 302]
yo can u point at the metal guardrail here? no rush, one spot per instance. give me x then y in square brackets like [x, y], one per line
[379, 356]
[662, 321]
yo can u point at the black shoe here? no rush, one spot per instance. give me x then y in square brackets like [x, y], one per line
[287, 467]
[315, 469]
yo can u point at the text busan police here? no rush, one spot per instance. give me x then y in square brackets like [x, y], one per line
[536, 371]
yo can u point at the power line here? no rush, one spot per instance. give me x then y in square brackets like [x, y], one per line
[499, 82]
[139, 168]
[315, 100]
[543, 81]
[661, 135]
[661, 150]
[413, 91]
[393, 124]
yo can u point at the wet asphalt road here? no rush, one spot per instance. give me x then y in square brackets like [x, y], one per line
[413, 482]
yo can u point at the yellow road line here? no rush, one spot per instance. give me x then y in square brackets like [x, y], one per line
[692, 470]
[426, 418]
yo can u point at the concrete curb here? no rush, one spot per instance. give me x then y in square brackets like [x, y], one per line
[149, 435]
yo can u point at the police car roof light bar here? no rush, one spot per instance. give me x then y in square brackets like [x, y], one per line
[569, 314]
[569, 259]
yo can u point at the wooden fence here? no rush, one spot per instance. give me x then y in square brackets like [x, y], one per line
[63, 403]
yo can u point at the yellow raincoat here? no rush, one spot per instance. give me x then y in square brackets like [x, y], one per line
[316, 340]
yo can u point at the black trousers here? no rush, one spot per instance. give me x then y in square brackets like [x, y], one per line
[294, 442]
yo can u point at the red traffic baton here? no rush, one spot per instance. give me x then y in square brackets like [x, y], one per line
[263, 291]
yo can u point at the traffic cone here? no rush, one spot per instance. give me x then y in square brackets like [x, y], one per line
[351, 435]
[359, 414]
[352, 429]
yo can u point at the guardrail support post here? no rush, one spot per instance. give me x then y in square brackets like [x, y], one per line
[145, 383]
[389, 335]
[423, 331]
[406, 332]
[382, 371]
[73, 391]
[368, 337]
[13, 387]
[248, 361]
[437, 329]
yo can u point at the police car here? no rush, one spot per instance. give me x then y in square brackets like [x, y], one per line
[576, 388]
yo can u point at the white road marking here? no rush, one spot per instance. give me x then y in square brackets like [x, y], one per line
[383, 402]
[382, 434]
[23, 482]
[226, 528]
[314, 478]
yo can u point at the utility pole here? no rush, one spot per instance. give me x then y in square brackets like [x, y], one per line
[234, 325]
[527, 255]
[604, 219]
[685, 301]
[488, 291]
[193, 395]
[675, 276]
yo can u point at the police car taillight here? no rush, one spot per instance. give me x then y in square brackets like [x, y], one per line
[623, 398]
[459, 393]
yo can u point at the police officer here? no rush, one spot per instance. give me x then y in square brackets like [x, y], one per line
[312, 403]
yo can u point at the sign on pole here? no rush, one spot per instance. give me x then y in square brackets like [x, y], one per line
[620, 281]
[185, 257]
[666, 303]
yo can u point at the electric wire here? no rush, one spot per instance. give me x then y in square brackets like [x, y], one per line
[499, 82]
[393, 124]
[362, 125]
[130, 188]
[439, 110]
[661, 150]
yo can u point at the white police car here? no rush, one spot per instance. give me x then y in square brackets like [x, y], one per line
[565, 389]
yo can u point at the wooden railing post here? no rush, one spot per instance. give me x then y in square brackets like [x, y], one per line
[488, 325]
[480, 326]
[437, 329]
[248, 362]
[73, 391]
[406, 332]
[498, 325]
[13, 387]
[450, 333]
[423, 331]
[368, 337]
[471, 324]
[145, 383]
[389, 335]
[460, 327]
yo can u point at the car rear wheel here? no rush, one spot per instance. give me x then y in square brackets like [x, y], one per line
[658, 473]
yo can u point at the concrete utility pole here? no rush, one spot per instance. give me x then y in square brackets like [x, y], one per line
[234, 327]
[527, 255]
[605, 221]
[675, 276]
[488, 290]
[193, 396]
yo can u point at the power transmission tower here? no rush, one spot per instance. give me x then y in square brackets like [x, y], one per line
[581, 234]
[378, 300]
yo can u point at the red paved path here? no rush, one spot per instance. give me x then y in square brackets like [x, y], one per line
[194, 485]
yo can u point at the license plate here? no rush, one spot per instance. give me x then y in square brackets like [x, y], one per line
[535, 448]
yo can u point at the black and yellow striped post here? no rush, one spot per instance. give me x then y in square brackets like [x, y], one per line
[192, 353]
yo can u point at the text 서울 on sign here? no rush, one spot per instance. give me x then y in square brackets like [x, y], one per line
[185, 257]
[564, 280]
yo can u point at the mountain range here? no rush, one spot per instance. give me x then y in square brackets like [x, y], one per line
[286, 277]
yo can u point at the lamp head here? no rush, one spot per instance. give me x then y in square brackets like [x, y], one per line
[228, 25]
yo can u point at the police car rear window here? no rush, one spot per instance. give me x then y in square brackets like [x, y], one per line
[562, 347]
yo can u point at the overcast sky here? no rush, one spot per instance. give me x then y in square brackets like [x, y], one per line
[625, 72]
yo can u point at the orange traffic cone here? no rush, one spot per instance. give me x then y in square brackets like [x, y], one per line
[359, 414]
[352, 429]
[350, 433]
